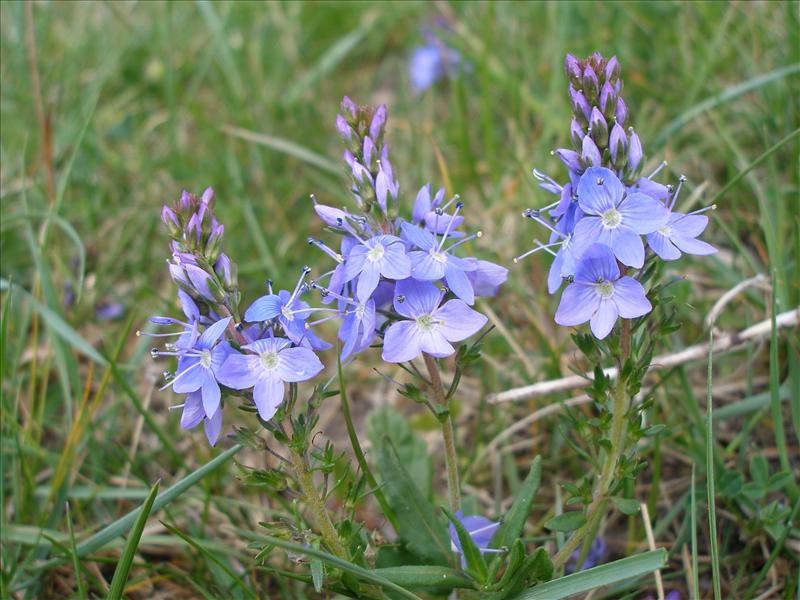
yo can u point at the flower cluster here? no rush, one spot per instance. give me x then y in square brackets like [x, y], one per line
[386, 261]
[606, 206]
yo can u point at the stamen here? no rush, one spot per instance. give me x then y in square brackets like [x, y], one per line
[326, 249]
[181, 374]
[449, 202]
[539, 246]
[658, 170]
[459, 205]
[542, 177]
[477, 234]
[298, 289]
[534, 215]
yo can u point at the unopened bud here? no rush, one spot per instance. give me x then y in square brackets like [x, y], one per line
[591, 87]
[598, 128]
[621, 112]
[618, 146]
[576, 133]
[590, 154]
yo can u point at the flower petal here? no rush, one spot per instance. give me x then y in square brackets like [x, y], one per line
[643, 214]
[239, 371]
[268, 395]
[401, 342]
[298, 364]
[487, 277]
[597, 264]
[422, 204]
[213, 427]
[578, 303]
[599, 190]
[433, 342]
[589, 230]
[688, 225]
[692, 246]
[212, 334]
[663, 246]
[603, 320]
[354, 263]
[211, 393]
[395, 263]
[368, 280]
[554, 278]
[421, 238]
[189, 376]
[263, 309]
[418, 298]
[458, 321]
[630, 298]
[628, 247]
[459, 284]
[193, 411]
[425, 267]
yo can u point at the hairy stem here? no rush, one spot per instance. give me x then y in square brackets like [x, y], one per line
[603, 482]
[317, 505]
[450, 461]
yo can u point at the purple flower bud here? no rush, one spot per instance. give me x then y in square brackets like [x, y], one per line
[208, 197]
[608, 100]
[332, 216]
[226, 271]
[186, 200]
[598, 128]
[378, 121]
[576, 133]
[618, 146]
[591, 86]
[573, 69]
[342, 127]
[612, 69]
[422, 205]
[621, 112]
[170, 219]
[635, 153]
[580, 106]
[348, 108]
[178, 274]
[110, 311]
[570, 158]
[194, 230]
[369, 146]
[590, 154]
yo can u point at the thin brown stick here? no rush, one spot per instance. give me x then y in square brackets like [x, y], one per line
[722, 343]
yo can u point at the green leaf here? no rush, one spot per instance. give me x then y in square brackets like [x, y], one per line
[476, 566]
[425, 534]
[117, 586]
[536, 567]
[568, 521]
[514, 521]
[422, 576]
[413, 452]
[615, 572]
[354, 570]
[123, 524]
[759, 469]
[317, 574]
[627, 506]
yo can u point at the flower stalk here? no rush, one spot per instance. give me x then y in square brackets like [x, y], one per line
[439, 398]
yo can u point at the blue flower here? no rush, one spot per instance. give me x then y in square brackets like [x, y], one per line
[430, 63]
[194, 413]
[380, 255]
[273, 361]
[598, 294]
[595, 556]
[427, 327]
[479, 528]
[678, 235]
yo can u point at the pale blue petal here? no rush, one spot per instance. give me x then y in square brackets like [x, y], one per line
[487, 277]
[213, 427]
[272, 344]
[425, 267]
[239, 371]
[263, 309]
[189, 376]
[434, 343]
[630, 298]
[401, 342]
[603, 320]
[628, 247]
[599, 190]
[421, 238]
[268, 395]
[422, 204]
[692, 246]
[440, 223]
[459, 284]
[554, 278]
[643, 214]
[188, 306]
[368, 280]
[298, 364]
[578, 304]
[395, 263]
[688, 225]
[662, 246]
[589, 230]
[211, 393]
[193, 411]
[597, 264]
[212, 334]
[418, 298]
[354, 263]
[458, 321]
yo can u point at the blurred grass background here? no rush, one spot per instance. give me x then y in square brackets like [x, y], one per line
[128, 103]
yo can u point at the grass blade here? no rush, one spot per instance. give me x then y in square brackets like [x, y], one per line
[710, 469]
[693, 517]
[76, 563]
[615, 572]
[126, 560]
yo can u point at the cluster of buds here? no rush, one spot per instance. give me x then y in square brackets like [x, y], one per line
[362, 128]
[198, 265]
[597, 131]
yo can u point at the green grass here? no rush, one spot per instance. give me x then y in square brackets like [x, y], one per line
[143, 100]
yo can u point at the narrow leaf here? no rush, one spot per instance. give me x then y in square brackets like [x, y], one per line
[569, 521]
[472, 554]
[420, 576]
[514, 521]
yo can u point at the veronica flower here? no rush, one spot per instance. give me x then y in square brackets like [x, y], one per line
[480, 529]
[425, 212]
[434, 262]
[487, 277]
[193, 413]
[427, 327]
[273, 362]
[615, 219]
[379, 255]
[290, 311]
[598, 294]
[199, 365]
[430, 63]
[358, 327]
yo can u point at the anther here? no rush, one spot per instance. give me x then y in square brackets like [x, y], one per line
[154, 353]
[400, 299]
[600, 181]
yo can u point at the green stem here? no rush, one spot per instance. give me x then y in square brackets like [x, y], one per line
[448, 435]
[317, 505]
[603, 482]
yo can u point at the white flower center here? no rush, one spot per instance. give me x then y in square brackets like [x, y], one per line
[360, 309]
[269, 360]
[287, 312]
[427, 322]
[205, 358]
[611, 218]
[437, 256]
[666, 231]
[376, 253]
[605, 289]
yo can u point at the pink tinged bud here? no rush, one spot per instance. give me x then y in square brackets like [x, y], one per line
[570, 158]
[598, 128]
[573, 69]
[590, 154]
[348, 108]
[185, 201]
[342, 127]
[170, 219]
[596, 57]
[612, 69]
[591, 86]
[576, 133]
[635, 153]
[378, 121]
[618, 146]
[194, 231]
[621, 112]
